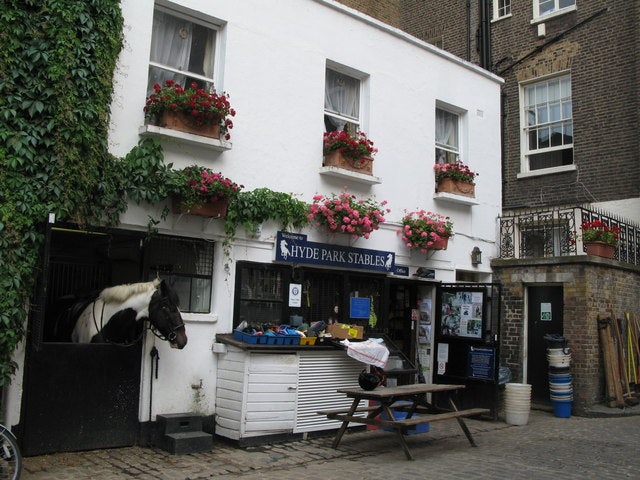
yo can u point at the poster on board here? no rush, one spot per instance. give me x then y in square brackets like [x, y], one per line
[462, 314]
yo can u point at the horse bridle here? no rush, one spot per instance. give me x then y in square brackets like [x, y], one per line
[169, 338]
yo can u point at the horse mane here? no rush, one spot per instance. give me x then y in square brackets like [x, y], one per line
[121, 293]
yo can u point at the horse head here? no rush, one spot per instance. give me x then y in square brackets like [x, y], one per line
[164, 316]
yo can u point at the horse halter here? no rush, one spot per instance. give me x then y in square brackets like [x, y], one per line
[168, 338]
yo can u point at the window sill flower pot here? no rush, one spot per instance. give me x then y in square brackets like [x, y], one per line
[335, 158]
[457, 187]
[600, 249]
[210, 210]
[181, 122]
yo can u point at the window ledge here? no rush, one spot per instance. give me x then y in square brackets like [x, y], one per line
[348, 174]
[199, 318]
[182, 137]
[497, 19]
[552, 15]
[547, 171]
[453, 198]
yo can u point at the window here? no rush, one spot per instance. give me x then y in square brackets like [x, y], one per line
[501, 8]
[182, 50]
[447, 136]
[548, 124]
[187, 264]
[341, 102]
[547, 7]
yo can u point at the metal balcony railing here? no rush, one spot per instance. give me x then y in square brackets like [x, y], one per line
[555, 232]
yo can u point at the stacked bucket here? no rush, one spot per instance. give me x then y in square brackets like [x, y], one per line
[517, 403]
[560, 378]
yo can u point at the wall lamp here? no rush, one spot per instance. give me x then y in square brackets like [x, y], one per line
[476, 256]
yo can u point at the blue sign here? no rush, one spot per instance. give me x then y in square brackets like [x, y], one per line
[481, 362]
[294, 248]
[359, 307]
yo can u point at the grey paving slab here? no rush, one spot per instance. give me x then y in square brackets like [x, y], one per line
[599, 447]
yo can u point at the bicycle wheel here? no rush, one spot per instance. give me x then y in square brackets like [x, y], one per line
[10, 457]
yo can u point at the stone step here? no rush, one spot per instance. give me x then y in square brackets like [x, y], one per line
[179, 422]
[188, 442]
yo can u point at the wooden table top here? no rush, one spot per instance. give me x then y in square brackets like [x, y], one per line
[403, 390]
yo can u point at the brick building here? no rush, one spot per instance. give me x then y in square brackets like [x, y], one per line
[570, 153]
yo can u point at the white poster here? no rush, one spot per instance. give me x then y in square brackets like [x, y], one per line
[295, 294]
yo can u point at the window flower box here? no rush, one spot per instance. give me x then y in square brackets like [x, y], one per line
[350, 152]
[191, 110]
[455, 178]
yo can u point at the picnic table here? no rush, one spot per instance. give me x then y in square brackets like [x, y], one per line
[410, 399]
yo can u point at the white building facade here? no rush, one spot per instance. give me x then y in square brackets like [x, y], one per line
[276, 60]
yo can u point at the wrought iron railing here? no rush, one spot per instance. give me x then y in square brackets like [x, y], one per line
[554, 232]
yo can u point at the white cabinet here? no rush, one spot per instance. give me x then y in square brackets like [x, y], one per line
[261, 393]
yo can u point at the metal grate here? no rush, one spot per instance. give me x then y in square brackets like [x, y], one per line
[180, 256]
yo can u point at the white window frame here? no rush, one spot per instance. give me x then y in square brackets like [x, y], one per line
[181, 75]
[454, 153]
[554, 12]
[355, 123]
[526, 152]
[501, 9]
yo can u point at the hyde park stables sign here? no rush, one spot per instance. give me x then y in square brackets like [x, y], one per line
[295, 248]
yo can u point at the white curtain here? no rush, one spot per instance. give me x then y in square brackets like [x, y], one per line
[446, 129]
[341, 96]
[171, 46]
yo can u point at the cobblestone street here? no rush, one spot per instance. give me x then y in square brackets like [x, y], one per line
[546, 448]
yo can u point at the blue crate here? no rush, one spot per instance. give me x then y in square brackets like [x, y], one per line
[249, 338]
[399, 415]
[290, 339]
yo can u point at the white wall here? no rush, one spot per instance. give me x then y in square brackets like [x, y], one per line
[272, 62]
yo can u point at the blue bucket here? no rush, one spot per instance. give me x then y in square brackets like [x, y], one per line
[561, 409]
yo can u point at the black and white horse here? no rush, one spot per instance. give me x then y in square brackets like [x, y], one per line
[119, 313]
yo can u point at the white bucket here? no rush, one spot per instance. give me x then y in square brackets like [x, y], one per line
[517, 403]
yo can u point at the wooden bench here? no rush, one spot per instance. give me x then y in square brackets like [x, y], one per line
[406, 398]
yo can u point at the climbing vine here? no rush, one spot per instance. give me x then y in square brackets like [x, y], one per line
[56, 69]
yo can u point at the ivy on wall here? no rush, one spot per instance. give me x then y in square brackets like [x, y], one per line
[56, 69]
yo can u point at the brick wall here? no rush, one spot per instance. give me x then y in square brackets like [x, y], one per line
[592, 289]
[601, 55]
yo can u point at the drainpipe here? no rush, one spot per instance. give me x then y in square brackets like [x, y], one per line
[468, 30]
[484, 34]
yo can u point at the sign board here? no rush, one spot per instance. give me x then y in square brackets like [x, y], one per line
[359, 307]
[294, 248]
[481, 363]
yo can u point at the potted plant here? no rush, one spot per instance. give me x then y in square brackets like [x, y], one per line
[599, 238]
[352, 152]
[251, 208]
[455, 178]
[424, 230]
[193, 110]
[201, 191]
[345, 213]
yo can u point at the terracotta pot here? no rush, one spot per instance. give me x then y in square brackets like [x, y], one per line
[441, 244]
[337, 159]
[457, 187]
[600, 249]
[181, 122]
[211, 210]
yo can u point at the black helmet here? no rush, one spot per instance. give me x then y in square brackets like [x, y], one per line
[369, 381]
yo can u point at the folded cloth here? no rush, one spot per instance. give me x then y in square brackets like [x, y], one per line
[369, 352]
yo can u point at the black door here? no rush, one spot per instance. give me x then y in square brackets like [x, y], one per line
[79, 396]
[544, 317]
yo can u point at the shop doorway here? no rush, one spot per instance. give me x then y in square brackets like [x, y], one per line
[545, 316]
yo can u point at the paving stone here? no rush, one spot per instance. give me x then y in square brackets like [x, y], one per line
[602, 446]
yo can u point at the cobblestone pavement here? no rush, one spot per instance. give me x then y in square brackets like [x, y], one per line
[546, 448]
